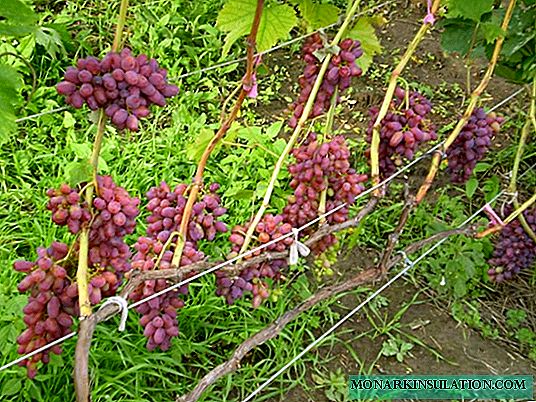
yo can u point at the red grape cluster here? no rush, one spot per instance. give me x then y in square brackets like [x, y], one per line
[51, 304]
[109, 255]
[471, 144]
[53, 296]
[321, 167]
[405, 126]
[159, 315]
[514, 249]
[123, 85]
[67, 208]
[253, 278]
[342, 68]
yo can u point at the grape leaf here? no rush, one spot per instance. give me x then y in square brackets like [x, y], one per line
[236, 18]
[472, 10]
[457, 36]
[16, 18]
[491, 31]
[318, 15]
[365, 33]
[10, 97]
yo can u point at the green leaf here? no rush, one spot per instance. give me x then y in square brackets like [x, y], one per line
[472, 10]
[78, 172]
[16, 18]
[10, 83]
[11, 387]
[457, 35]
[68, 120]
[491, 31]
[365, 33]
[274, 129]
[195, 149]
[470, 187]
[236, 18]
[318, 15]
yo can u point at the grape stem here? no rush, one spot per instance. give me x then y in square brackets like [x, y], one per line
[375, 143]
[517, 213]
[87, 326]
[120, 25]
[520, 147]
[198, 179]
[82, 271]
[470, 108]
[297, 130]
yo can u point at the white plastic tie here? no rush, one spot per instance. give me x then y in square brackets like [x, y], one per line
[407, 261]
[122, 303]
[297, 248]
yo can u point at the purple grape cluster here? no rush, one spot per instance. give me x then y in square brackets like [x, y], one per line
[254, 278]
[109, 255]
[471, 144]
[53, 296]
[51, 304]
[159, 315]
[123, 85]
[514, 249]
[405, 126]
[321, 167]
[339, 75]
[67, 208]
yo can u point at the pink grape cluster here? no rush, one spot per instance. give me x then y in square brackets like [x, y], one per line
[342, 68]
[472, 144]
[159, 315]
[67, 208]
[109, 255]
[514, 249]
[53, 296]
[51, 304]
[405, 126]
[254, 278]
[321, 167]
[123, 85]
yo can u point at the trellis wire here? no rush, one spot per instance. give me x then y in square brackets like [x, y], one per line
[359, 307]
[261, 247]
[409, 265]
[230, 62]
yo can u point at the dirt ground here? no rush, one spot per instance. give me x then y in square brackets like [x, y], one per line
[446, 347]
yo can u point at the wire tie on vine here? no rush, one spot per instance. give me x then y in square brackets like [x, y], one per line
[297, 248]
[493, 217]
[122, 303]
[407, 261]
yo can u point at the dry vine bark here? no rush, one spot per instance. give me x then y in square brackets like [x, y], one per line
[367, 276]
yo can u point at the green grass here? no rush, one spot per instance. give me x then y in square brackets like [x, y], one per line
[181, 36]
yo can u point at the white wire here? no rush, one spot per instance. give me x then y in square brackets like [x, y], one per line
[59, 109]
[36, 351]
[498, 105]
[359, 307]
